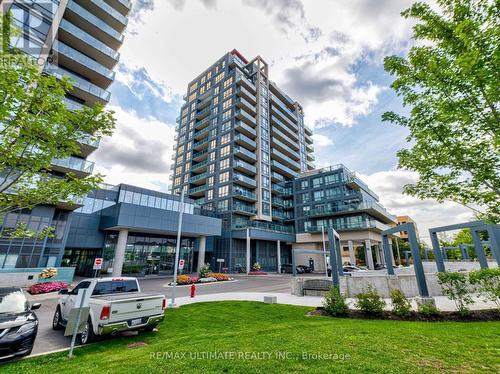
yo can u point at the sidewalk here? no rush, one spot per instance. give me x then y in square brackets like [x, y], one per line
[442, 302]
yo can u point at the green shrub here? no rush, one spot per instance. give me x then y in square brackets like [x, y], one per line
[334, 302]
[400, 304]
[487, 284]
[204, 270]
[454, 286]
[427, 309]
[370, 302]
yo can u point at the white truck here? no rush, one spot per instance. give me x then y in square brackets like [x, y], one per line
[116, 305]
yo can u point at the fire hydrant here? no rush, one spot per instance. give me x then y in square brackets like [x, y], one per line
[193, 290]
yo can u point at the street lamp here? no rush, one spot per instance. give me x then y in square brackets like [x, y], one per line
[177, 248]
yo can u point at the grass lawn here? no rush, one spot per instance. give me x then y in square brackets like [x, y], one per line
[257, 328]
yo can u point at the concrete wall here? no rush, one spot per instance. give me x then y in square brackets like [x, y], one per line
[25, 277]
[430, 266]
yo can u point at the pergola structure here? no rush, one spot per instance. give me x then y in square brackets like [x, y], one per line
[475, 227]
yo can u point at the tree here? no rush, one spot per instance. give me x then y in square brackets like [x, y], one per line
[36, 127]
[450, 82]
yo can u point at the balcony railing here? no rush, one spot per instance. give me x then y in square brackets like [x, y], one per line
[244, 179]
[82, 59]
[245, 141]
[89, 17]
[244, 208]
[366, 205]
[266, 226]
[89, 39]
[368, 224]
[75, 163]
[244, 165]
[243, 128]
[111, 11]
[244, 193]
[78, 82]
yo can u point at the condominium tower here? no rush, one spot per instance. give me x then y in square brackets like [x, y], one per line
[78, 39]
[239, 137]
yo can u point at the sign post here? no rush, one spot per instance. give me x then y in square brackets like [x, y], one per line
[82, 310]
[97, 265]
[178, 248]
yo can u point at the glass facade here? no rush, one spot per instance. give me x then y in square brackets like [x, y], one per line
[148, 254]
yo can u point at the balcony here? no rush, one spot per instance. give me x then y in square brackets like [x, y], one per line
[283, 147]
[294, 144]
[308, 130]
[203, 114]
[86, 43]
[197, 156]
[289, 130]
[204, 103]
[202, 124]
[243, 92]
[88, 144]
[83, 65]
[286, 171]
[279, 214]
[357, 184]
[244, 209]
[198, 179]
[245, 129]
[244, 181]
[244, 154]
[294, 165]
[244, 194]
[278, 201]
[245, 141]
[84, 89]
[79, 166]
[106, 12]
[371, 207]
[203, 133]
[284, 109]
[73, 105]
[245, 117]
[310, 157]
[242, 81]
[92, 24]
[277, 177]
[266, 226]
[244, 167]
[197, 191]
[245, 105]
[199, 166]
[201, 144]
[278, 189]
[355, 226]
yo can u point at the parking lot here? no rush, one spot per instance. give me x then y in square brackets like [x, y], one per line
[49, 340]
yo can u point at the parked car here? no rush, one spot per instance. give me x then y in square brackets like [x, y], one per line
[305, 268]
[287, 268]
[116, 305]
[18, 323]
[379, 266]
[352, 268]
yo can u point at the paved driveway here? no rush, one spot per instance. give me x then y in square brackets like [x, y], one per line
[49, 340]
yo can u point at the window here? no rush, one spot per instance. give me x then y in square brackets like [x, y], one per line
[213, 144]
[192, 96]
[317, 182]
[210, 194]
[225, 150]
[226, 104]
[332, 178]
[228, 92]
[224, 164]
[210, 181]
[224, 177]
[225, 139]
[226, 114]
[318, 195]
[304, 197]
[223, 191]
[304, 184]
[228, 82]
[332, 192]
[223, 205]
[211, 157]
[219, 77]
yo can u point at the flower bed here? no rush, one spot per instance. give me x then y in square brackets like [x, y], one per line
[186, 279]
[47, 287]
[219, 276]
[257, 273]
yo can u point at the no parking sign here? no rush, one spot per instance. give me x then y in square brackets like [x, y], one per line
[97, 263]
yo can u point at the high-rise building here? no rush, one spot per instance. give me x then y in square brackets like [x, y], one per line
[238, 137]
[78, 39]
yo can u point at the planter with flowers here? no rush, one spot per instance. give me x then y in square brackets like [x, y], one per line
[47, 287]
[256, 270]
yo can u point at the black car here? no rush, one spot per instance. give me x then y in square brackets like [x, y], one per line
[287, 268]
[18, 323]
[304, 268]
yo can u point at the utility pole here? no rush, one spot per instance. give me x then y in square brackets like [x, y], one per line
[177, 248]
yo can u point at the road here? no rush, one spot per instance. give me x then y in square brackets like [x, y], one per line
[49, 340]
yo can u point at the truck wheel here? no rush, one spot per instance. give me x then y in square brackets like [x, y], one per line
[150, 328]
[87, 334]
[56, 321]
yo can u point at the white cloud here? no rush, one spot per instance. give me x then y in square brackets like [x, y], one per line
[138, 153]
[322, 140]
[346, 31]
[427, 213]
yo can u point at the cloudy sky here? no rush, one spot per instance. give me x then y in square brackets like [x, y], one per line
[327, 54]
